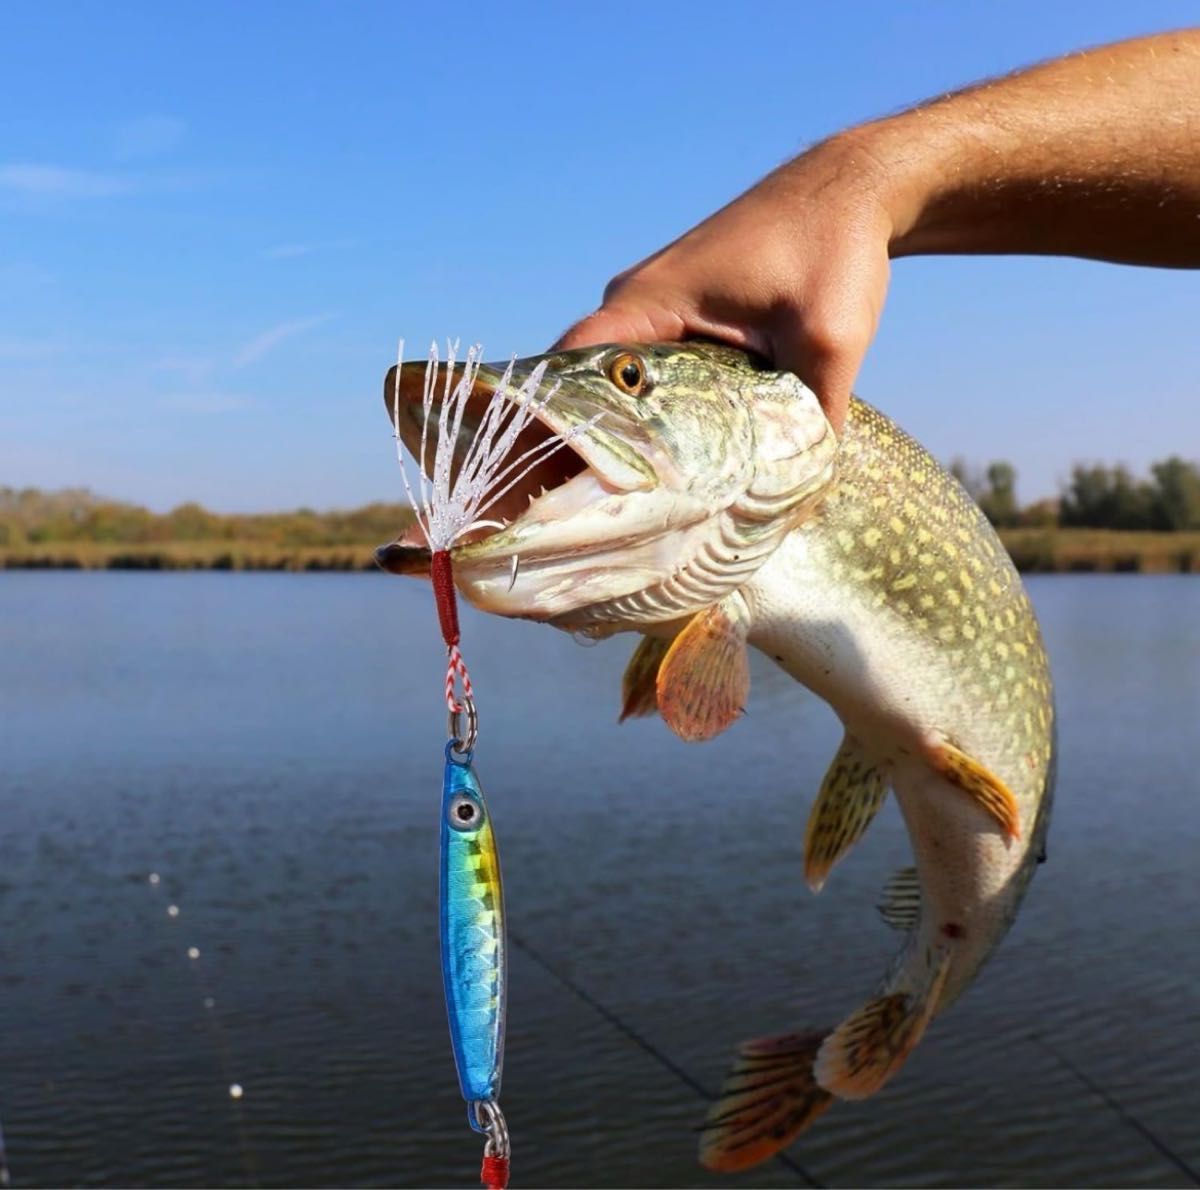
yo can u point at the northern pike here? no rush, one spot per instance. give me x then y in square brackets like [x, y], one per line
[709, 506]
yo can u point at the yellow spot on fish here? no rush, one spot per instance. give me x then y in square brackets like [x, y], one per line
[897, 525]
[905, 582]
[871, 537]
[845, 540]
[967, 581]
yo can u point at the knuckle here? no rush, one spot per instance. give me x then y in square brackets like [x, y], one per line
[617, 286]
[834, 335]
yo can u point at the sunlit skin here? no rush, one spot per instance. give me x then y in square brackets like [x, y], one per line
[1096, 155]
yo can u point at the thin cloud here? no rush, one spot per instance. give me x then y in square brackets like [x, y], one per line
[57, 181]
[257, 347]
[288, 251]
[291, 250]
[205, 402]
[22, 350]
[147, 136]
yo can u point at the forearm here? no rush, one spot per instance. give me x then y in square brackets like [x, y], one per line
[1094, 155]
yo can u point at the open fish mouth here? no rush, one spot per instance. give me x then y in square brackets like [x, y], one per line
[560, 463]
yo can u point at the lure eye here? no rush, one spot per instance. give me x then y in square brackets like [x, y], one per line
[628, 373]
[464, 813]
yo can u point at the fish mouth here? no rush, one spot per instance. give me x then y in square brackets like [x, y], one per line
[544, 496]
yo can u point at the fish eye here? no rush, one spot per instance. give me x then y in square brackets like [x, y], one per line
[628, 373]
[464, 813]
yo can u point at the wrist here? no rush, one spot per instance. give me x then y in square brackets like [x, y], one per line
[912, 170]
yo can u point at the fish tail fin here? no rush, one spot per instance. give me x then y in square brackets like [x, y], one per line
[870, 1045]
[770, 1096]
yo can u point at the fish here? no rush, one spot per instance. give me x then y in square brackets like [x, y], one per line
[474, 965]
[710, 507]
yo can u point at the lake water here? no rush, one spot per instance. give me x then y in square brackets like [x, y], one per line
[271, 745]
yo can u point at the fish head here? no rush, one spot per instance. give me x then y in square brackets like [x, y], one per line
[684, 466]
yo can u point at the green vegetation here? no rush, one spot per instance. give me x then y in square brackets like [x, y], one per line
[78, 530]
[1096, 497]
[1105, 520]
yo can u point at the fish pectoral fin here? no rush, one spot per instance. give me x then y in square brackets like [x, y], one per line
[900, 902]
[870, 1045]
[988, 792]
[704, 679]
[851, 794]
[768, 1099]
[639, 696]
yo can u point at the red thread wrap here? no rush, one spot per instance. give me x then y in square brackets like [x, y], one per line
[494, 1174]
[443, 592]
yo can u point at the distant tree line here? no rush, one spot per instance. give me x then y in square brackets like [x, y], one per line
[29, 516]
[1095, 497]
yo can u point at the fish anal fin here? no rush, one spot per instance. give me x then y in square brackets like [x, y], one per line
[639, 695]
[869, 1046]
[988, 792]
[853, 790]
[768, 1099]
[900, 902]
[704, 679]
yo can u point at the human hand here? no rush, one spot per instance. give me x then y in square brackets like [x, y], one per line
[796, 270]
[1092, 155]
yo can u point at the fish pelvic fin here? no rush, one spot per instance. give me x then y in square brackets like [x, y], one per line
[704, 680]
[988, 792]
[769, 1097]
[853, 790]
[869, 1046]
[639, 694]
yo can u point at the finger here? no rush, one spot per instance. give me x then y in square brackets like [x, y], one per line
[623, 324]
[828, 362]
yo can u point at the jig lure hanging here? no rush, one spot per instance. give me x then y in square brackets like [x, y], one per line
[474, 955]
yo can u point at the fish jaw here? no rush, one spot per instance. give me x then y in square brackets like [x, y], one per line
[669, 502]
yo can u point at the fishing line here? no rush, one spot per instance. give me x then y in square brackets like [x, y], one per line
[5, 1180]
[644, 1043]
[1130, 1119]
[220, 1038]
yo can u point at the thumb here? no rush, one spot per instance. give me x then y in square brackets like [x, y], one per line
[622, 324]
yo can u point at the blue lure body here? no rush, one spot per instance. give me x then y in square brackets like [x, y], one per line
[472, 933]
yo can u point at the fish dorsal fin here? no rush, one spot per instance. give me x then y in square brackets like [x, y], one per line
[638, 687]
[851, 794]
[900, 902]
[988, 792]
[704, 680]
[870, 1045]
[769, 1098]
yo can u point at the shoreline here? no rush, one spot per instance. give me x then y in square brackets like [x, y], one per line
[1034, 551]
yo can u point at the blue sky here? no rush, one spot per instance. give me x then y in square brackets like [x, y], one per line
[217, 219]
